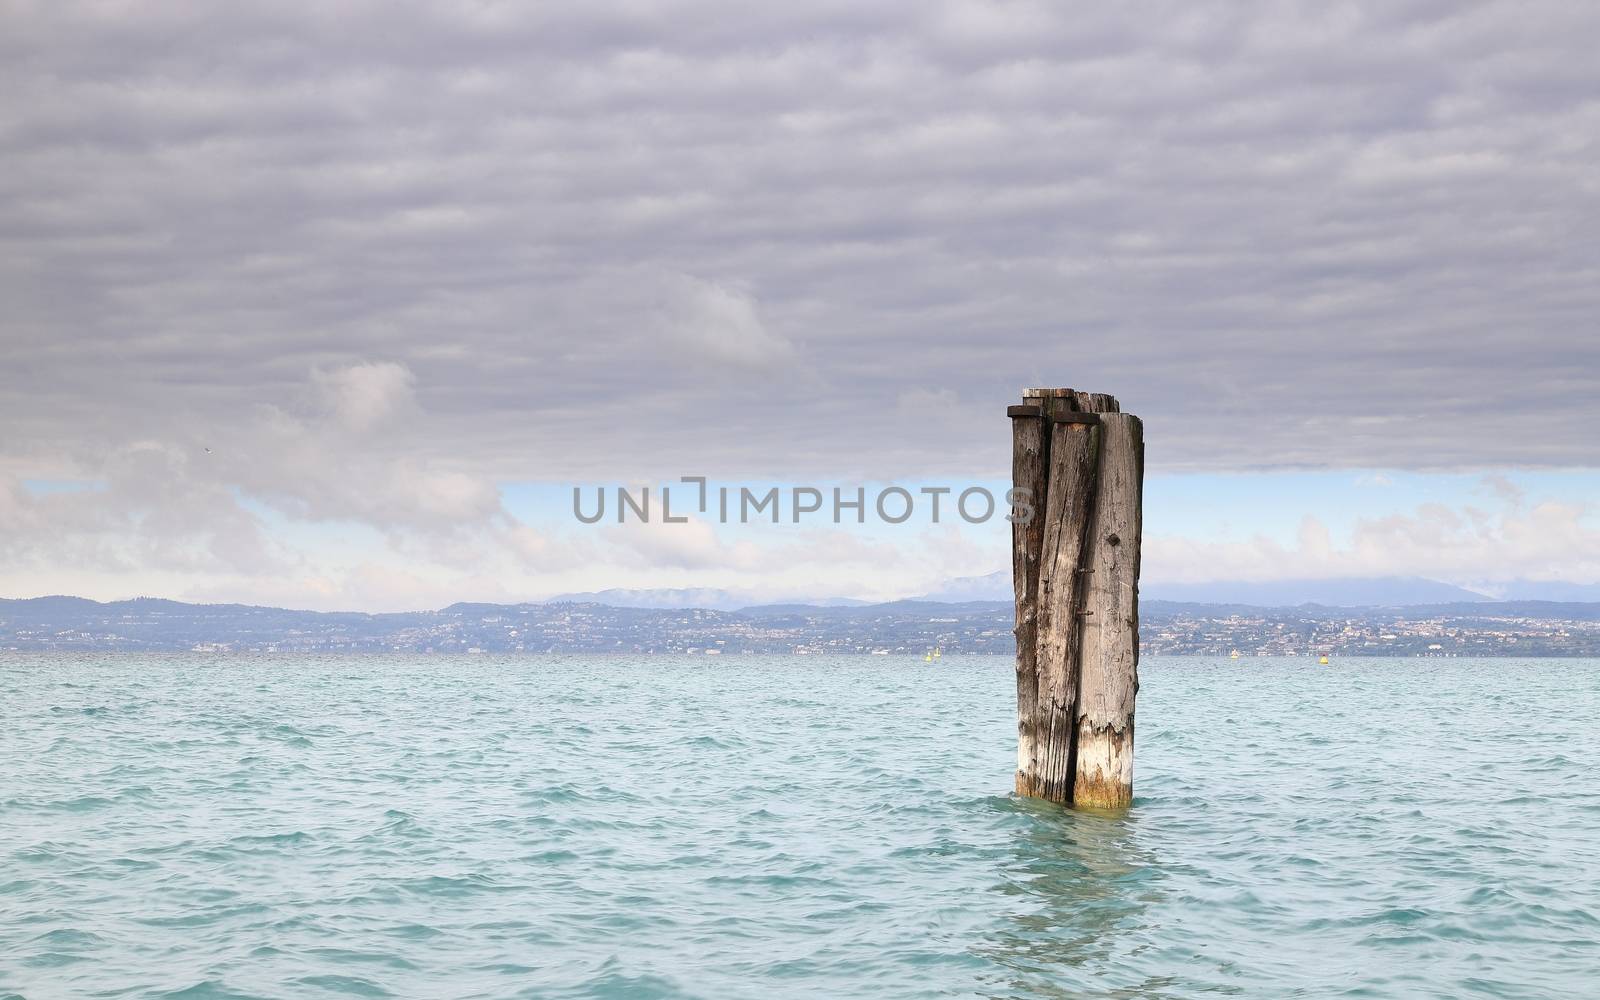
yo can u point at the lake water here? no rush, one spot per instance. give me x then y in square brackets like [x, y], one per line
[815, 827]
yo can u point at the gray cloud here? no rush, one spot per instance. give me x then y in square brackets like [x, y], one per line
[1287, 234]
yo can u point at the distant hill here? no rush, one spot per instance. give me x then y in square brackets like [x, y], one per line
[657, 598]
[1465, 628]
[686, 597]
[56, 623]
[1350, 592]
[1477, 610]
[860, 611]
[994, 586]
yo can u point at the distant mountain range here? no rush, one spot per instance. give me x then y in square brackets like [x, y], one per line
[1348, 592]
[1354, 592]
[1465, 628]
[688, 597]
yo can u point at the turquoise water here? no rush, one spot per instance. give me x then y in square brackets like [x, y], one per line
[202, 826]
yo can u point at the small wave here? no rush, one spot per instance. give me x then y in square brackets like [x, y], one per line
[348, 986]
[207, 989]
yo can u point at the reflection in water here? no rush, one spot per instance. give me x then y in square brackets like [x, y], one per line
[1077, 888]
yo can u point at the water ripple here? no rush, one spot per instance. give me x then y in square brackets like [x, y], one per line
[201, 827]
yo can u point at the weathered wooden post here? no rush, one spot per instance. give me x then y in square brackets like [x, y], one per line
[1110, 649]
[1075, 569]
[1030, 465]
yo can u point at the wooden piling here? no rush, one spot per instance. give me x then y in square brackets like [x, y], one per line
[1058, 401]
[1108, 672]
[1030, 459]
[1060, 612]
[1075, 570]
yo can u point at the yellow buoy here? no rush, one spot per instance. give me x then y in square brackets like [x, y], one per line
[1323, 660]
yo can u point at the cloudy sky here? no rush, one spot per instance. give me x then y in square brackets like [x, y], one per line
[330, 304]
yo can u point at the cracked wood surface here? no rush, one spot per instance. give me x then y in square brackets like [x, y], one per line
[1071, 490]
[1075, 572]
[1108, 676]
[1030, 450]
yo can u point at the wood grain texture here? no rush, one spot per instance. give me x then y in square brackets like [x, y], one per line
[1069, 496]
[1096, 402]
[1108, 677]
[1061, 400]
[1030, 449]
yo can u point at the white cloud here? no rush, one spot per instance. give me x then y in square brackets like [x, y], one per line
[1504, 489]
[350, 459]
[1460, 544]
[718, 324]
[362, 397]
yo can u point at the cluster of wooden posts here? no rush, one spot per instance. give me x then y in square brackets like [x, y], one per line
[1075, 565]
